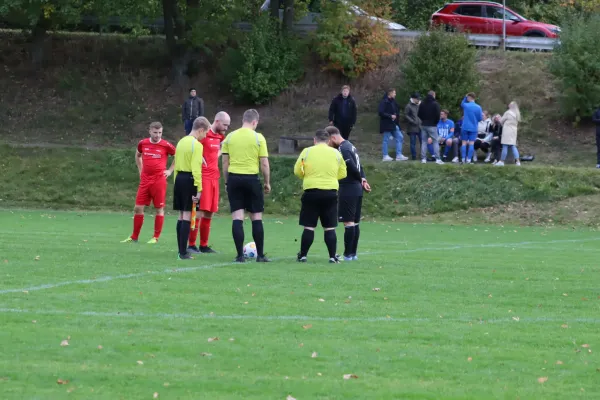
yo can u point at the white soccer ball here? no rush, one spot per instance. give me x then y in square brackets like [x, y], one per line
[250, 250]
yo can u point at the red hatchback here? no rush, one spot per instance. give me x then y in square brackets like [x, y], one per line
[485, 17]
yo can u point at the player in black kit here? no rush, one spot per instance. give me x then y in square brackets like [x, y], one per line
[350, 192]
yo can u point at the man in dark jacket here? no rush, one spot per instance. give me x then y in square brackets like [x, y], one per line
[342, 112]
[596, 119]
[192, 108]
[429, 113]
[389, 112]
[411, 115]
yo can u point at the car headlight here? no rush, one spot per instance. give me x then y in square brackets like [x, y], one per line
[556, 29]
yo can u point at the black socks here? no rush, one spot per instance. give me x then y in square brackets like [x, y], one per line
[237, 230]
[179, 237]
[183, 235]
[356, 236]
[308, 237]
[331, 242]
[348, 240]
[258, 234]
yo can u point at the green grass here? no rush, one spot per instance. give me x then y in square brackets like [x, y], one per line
[462, 312]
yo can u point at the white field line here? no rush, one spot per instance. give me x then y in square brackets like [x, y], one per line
[463, 319]
[213, 266]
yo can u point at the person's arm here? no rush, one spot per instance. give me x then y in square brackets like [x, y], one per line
[342, 170]
[504, 118]
[381, 111]
[462, 104]
[352, 163]
[225, 166]
[171, 168]
[265, 168]
[299, 166]
[200, 107]
[451, 133]
[410, 117]
[197, 166]
[332, 111]
[138, 161]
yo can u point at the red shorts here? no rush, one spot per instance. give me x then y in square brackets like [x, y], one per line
[209, 200]
[154, 190]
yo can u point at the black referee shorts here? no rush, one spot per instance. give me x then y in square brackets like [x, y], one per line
[245, 192]
[350, 209]
[183, 191]
[318, 205]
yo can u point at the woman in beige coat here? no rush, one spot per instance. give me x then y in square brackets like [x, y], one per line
[510, 121]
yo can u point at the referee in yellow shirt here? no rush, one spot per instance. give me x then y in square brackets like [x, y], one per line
[244, 154]
[320, 167]
[188, 181]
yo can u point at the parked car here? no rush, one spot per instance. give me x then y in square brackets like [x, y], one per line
[485, 17]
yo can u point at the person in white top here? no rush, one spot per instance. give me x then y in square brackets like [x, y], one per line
[484, 137]
[510, 121]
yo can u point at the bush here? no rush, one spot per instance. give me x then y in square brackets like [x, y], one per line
[576, 63]
[264, 64]
[415, 14]
[444, 63]
[349, 43]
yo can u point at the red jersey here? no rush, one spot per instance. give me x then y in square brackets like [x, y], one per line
[212, 146]
[155, 156]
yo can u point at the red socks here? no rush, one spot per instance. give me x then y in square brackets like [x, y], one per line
[194, 233]
[138, 221]
[204, 231]
[159, 220]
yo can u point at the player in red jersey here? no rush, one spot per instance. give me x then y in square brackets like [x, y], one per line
[151, 159]
[209, 202]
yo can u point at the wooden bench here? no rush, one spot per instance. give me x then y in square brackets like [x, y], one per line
[289, 144]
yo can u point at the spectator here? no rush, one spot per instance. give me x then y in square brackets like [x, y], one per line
[496, 137]
[388, 125]
[484, 137]
[472, 115]
[342, 112]
[411, 114]
[192, 108]
[447, 138]
[429, 114]
[458, 130]
[596, 119]
[510, 120]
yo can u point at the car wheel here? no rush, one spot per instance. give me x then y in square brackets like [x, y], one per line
[534, 34]
[449, 28]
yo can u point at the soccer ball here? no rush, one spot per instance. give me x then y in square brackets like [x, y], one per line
[250, 250]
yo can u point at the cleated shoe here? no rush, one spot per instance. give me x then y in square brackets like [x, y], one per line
[193, 250]
[153, 241]
[129, 240]
[207, 250]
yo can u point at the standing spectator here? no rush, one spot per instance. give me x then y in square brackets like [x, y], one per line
[596, 119]
[388, 125]
[411, 114]
[445, 129]
[342, 112]
[484, 137]
[496, 130]
[429, 113]
[191, 109]
[472, 114]
[510, 120]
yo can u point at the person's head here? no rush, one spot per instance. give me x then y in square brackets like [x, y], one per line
[335, 137]
[321, 137]
[221, 123]
[431, 93]
[497, 118]
[486, 114]
[200, 128]
[250, 119]
[514, 107]
[391, 93]
[444, 115]
[415, 97]
[471, 96]
[192, 92]
[345, 90]
[155, 130]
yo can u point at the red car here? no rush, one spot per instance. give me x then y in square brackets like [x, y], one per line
[485, 17]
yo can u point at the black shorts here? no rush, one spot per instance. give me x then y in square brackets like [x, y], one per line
[319, 205]
[183, 191]
[350, 209]
[245, 192]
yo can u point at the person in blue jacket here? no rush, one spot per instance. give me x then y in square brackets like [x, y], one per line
[472, 114]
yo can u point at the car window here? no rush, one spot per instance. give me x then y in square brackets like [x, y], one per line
[470, 10]
[496, 13]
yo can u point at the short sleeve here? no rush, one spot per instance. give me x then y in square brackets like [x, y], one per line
[262, 151]
[170, 149]
[139, 146]
[225, 146]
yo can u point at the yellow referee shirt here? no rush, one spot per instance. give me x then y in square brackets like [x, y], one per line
[188, 158]
[320, 167]
[245, 148]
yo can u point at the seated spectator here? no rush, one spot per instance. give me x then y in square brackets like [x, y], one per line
[484, 137]
[496, 130]
[446, 137]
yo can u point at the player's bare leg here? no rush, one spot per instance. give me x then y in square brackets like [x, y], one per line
[159, 221]
[138, 221]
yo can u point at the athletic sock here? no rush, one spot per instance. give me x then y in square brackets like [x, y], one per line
[204, 231]
[331, 242]
[348, 240]
[463, 153]
[184, 234]
[356, 236]
[258, 234]
[177, 231]
[138, 221]
[471, 152]
[159, 221]
[447, 150]
[308, 236]
[194, 233]
[237, 230]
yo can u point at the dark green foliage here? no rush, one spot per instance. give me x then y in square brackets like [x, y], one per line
[444, 63]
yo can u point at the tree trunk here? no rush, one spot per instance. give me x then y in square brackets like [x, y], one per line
[288, 15]
[38, 37]
[274, 9]
[175, 30]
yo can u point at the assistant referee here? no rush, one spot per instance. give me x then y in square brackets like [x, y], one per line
[244, 152]
[188, 181]
[320, 167]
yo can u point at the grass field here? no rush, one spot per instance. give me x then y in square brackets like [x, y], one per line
[428, 312]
